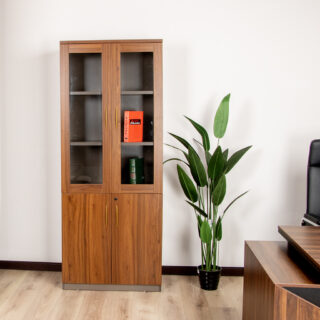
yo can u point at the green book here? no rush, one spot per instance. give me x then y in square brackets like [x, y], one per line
[136, 171]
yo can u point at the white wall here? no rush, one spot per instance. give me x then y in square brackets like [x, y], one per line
[266, 53]
[1, 109]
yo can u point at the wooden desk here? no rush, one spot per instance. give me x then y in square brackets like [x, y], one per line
[269, 268]
[306, 240]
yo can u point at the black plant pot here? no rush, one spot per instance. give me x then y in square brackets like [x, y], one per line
[209, 280]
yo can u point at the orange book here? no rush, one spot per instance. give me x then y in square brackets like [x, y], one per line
[133, 126]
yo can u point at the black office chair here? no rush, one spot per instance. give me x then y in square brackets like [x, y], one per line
[312, 216]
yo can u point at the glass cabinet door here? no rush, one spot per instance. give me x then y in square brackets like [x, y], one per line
[137, 118]
[85, 118]
[84, 115]
[137, 141]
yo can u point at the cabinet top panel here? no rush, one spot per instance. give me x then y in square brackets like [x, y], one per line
[112, 41]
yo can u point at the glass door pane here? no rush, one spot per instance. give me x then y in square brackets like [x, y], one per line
[137, 116]
[85, 118]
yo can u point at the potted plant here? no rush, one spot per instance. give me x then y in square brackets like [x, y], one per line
[205, 189]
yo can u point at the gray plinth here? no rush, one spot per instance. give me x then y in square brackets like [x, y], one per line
[110, 287]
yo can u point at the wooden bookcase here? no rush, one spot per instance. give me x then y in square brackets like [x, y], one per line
[111, 229]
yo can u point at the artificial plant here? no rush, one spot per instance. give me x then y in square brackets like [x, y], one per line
[206, 188]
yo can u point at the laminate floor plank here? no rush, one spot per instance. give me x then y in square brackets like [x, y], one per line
[10, 282]
[171, 306]
[38, 295]
[194, 301]
[93, 304]
[25, 295]
[147, 305]
[43, 304]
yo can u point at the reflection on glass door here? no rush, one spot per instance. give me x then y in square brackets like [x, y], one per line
[85, 118]
[137, 118]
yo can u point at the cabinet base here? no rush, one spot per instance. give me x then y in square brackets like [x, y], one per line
[111, 287]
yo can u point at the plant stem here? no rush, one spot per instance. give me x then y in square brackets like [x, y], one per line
[202, 257]
[210, 199]
[215, 241]
[201, 198]
[208, 260]
[212, 249]
[208, 211]
[217, 253]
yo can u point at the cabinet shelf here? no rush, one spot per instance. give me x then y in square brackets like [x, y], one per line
[136, 92]
[86, 143]
[85, 93]
[145, 143]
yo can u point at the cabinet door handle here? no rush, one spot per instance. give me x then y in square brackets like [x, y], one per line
[106, 215]
[117, 215]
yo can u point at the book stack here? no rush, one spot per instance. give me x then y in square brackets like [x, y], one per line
[136, 170]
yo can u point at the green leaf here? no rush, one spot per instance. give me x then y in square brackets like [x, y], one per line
[221, 118]
[203, 132]
[235, 158]
[199, 223]
[198, 209]
[177, 159]
[197, 169]
[216, 165]
[225, 154]
[187, 185]
[218, 234]
[219, 191]
[171, 146]
[184, 142]
[208, 157]
[205, 232]
[233, 201]
[198, 142]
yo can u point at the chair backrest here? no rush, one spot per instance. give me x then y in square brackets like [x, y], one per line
[313, 182]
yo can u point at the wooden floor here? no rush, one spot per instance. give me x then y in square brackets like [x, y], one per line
[38, 295]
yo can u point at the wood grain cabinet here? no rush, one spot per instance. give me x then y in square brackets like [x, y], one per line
[136, 224]
[111, 227]
[86, 238]
[275, 287]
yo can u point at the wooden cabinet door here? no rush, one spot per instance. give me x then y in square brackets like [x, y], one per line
[86, 238]
[136, 239]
